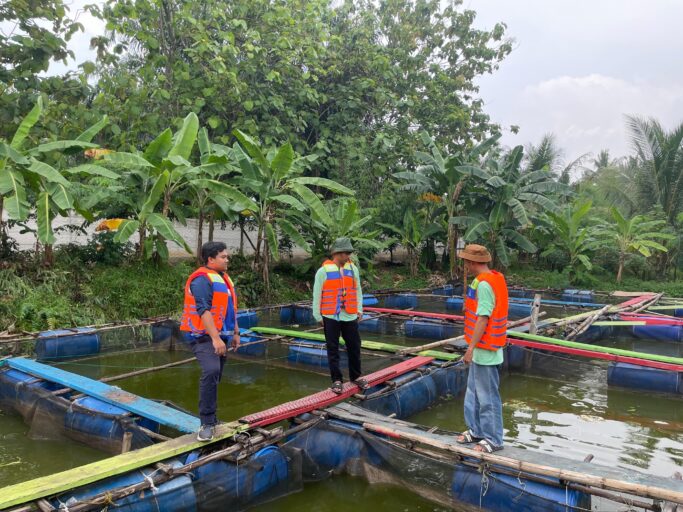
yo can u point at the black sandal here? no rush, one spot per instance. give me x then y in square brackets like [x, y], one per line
[487, 447]
[468, 438]
[337, 387]
[362, 384]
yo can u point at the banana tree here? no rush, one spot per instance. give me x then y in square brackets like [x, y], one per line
[32, 174]
[635, 235]
[273, 178]
[413, 234]
[446, 177]
[508, 205]
[574, 237]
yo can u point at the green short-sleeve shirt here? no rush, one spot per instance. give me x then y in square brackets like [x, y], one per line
[486, 301]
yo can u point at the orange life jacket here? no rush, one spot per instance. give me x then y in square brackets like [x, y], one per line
[495, 335]
[339, 290]
[223, 304]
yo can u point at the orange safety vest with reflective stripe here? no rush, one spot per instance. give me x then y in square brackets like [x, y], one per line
[223, 304]
[339, 290]
[495, 335]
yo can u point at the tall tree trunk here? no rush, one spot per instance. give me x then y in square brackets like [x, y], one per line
[621, 267]
[142, 236]
[49, 256]
[452, 232]
[200, 235]
[212, 225]
[241, 224]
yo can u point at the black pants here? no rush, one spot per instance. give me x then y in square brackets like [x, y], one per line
[212, 371]
[348, 331]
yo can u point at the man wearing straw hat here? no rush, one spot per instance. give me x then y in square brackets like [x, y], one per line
[486, 312]
[338, 304]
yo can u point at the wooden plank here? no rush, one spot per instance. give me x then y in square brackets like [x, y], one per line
[54, 484]
[111, 394]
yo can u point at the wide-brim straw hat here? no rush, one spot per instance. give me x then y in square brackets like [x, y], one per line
[474, 252]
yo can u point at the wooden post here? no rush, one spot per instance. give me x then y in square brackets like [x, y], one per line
[535, 309]
[127, 442]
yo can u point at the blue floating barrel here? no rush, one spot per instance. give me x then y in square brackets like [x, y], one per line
[371, 324]
[595, 333]
[451, 380]
[370, 300]
[444, 290]
[20, 391]
[506, 492]
[313, 356]
[98, 424]
[222, 485]
[571, 295]
[408, 398]
[164, 331]
[175, 495]
[431, 330]
[286, 314]
[247, 319]
[67, 344]
[257, 349]
[659, 332]
[520, 293]
[644, 378]
[678, 312]
[303, 316]
[401, 301]
[519, 310]
[328, 450]
[455, 303]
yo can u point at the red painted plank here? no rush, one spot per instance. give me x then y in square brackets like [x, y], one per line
[420, 314]
[596, 355]
[329, 397]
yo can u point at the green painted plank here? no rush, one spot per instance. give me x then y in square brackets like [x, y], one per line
[664, 308]
[57, 483]
[366, 344]
[597, 348]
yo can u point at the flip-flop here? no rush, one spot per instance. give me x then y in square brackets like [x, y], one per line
[468, 438]
[487, 447]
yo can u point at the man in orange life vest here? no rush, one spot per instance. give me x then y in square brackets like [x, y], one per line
[209, 322]
[486, 314]
[338, 304]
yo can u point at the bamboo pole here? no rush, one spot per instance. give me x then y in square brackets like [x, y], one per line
[583, 326]
[576, 477]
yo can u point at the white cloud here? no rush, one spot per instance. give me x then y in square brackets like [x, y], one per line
[586, 113]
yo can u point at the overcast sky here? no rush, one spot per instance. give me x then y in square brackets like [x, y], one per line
[578, 66]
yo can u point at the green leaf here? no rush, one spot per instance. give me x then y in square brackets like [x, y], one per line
[203, 142]
[472, 170]
[8, 151]
[12, 184]
[289, 201]
[585, 261]
[161, 249]
[312, 201]
[61, 145]
[324, 183]
[519, 212]
[127, 160]
[93, 170]
[521, 241]
[126, 230]
[349, 216]
[60, 196]
[293, 233]
[158, 149]
[186, 137]
[239, 200]
[496, 182]
[252, 148]
[477, 230]
[26, 124]
[48, 172]
[154, 195]
[44, 220]
[580, 212]
[282, 162]
[272, 241]
[164, 227]
[502, 252]
[88, 134]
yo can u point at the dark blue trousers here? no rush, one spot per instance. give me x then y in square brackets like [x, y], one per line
[212, 371]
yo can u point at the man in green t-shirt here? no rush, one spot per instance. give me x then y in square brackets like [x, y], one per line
[338, 304]
[486, 309]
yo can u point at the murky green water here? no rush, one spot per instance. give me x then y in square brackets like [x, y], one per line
[571, 416]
